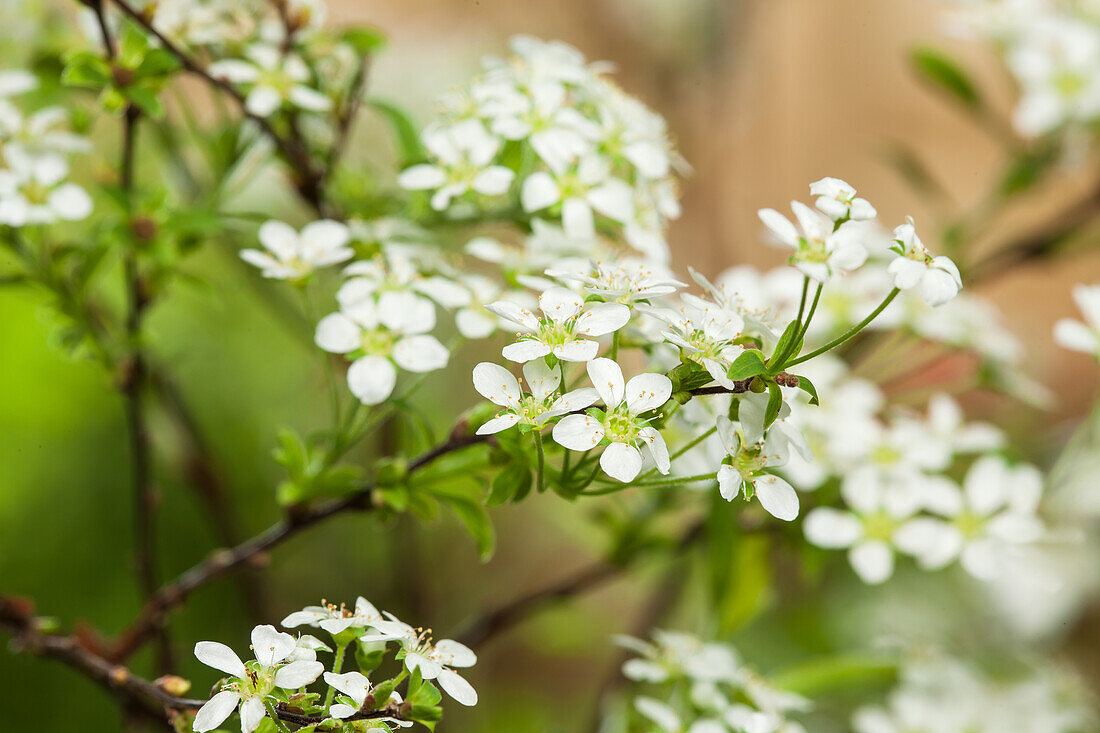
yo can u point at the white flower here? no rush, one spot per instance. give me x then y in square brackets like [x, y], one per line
[704, 332]
[273, 79]
[434, 660]
[306, 648]
[33, 191]
[994, 511]
[750, 452]
[937, 277]
[496, 384]
[563, 328]
[624, 282]
[660, 713]
[877, 522]
[464, 152]
[580, 189]
[821, 250]
[253, 682]
[674, 654]
[620, 423]
[838, 200]
[42, 132]
[334, 619]
[1079, 336]
[378, 336]
[16, 81]
[291, 255]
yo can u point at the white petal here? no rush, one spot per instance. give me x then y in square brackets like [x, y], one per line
[620, 461]
[420, 354]
[780, 226]
[539, 191]
[607, 378]
[271, 645]
[937, 287]
[420, 177]
[309, 99]
[1077, 336]
[647, 392]
[576, 219]
[581, 350]
[493, 181]
[542, 381]
[657, 448]
[454, 654]
[298, 674]
[578, 432]
[873, 561]
[578, 399]
[560, 304]
[525, 350]
[220, 657]
[777, 497]
[500, 422]
[262, 101]
[729, 482]
[831, 528]
[457, 687]
[214, 712]
[353, 684]
[372, 379]
[279, 238]
[496, 384]
[406, 312]
[514, 312]
[252, 714]
[429, 669]
[338, 334]
[341, 711]
[71, 202]
[602, 318]
[614, 199]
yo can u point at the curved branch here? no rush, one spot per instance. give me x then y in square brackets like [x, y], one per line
[18, 619]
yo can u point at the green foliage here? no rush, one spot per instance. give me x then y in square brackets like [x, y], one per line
[406, 135]
[943, 73]
[513, 483]
[749, 363]
[310, 473]
[789, 345]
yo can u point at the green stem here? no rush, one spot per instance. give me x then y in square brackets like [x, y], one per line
[671, 483]
[275, 716]
[849, 333]
[542, 461]
[802, 300]
[809, 316]
[337, 665]
[614, 346]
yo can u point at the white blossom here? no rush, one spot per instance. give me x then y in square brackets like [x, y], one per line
[252, 683]
[837, 200]
[937, 277]
[496, 384]
[565, 330]
[272, 80]
[292, 255]
[33, 190]
[821, 250]
[1078, 336]
[435, 660]
[620, 424]
[465, 152]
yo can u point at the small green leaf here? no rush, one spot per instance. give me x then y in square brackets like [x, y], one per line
[818, 676]
[511, 484]
[945, 74]
[749, 364]
[158, 62]
[808, 387]
[365, 39]
[409, 148]
[789, 344]
[775, 402]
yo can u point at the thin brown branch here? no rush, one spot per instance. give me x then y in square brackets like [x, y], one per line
[1041, 243]
[522, 608]
[293, 150]
[134, 692]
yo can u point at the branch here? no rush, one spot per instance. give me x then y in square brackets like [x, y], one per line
[519, 610]
[137, 693]
[292, 149]
[1040, 243]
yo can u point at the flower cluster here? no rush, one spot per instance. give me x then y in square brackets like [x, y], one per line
[704, 688]
[34, 170]
[547, 127]
[1052, 48]
[285, 666]
[947, 696]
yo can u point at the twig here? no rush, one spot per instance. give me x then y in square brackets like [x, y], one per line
[519, 610]
[137, 693]
[307, 178]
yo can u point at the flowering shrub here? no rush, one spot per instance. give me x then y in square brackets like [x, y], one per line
[524, 229]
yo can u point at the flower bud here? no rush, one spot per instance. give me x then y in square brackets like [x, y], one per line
[174, 685]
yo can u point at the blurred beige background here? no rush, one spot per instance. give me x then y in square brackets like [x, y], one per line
[763, 97]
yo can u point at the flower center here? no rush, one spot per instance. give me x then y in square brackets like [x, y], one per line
[879, 526]
[749, 462]
[812, 250]
[36, 193]
[969, 524]
[620, 426]
[378, 341]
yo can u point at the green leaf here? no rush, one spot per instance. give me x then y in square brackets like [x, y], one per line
[945, 74]
[1026, 169]
[749, 364]
[86, 69]
[146, 100]
[158, 62]
[511, 484]
[826, 674]
[365, 39]
[409, 148]
[466, 505]
[775, 402]
[789, 344]
[808, 387]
